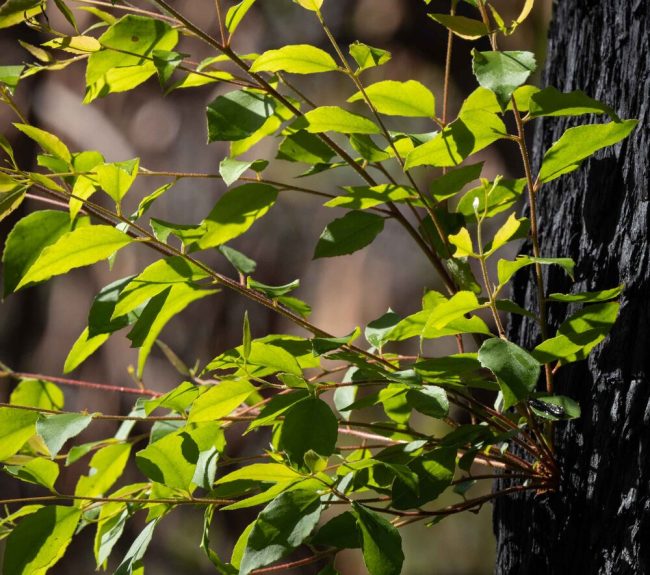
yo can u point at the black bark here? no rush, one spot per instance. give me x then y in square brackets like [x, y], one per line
[599, 520]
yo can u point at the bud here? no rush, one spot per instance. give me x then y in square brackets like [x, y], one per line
[475, 204]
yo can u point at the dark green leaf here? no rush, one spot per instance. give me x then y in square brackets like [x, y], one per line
[309, 424]
[551, 102]
[301, 146]
[502, 72]
[281, 527]
[340, 532]
[272, 291]
[377, 330]
[348, 234]
[517, 371]
[239, 261]
[238, 115]
[381, 543]
[450, 184]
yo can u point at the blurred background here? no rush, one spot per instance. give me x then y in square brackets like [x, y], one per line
[38, 326]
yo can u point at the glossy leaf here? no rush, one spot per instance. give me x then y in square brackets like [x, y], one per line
[410, 98]
[40, 540]
[577, 144]
[517, 371]
[281, 527]
[502, 72]
[354, 231]
[296, 59]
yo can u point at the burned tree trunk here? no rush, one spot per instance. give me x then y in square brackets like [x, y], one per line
[599, 521]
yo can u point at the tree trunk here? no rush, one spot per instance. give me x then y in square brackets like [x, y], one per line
[599, 520]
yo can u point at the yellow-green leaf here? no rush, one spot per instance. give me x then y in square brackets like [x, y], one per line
[410, 98]
[296, 59]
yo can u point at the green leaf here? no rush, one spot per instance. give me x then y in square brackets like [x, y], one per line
[366, 146]
[308, 425]
[262, 472]
[235, 212]
[381, 542]
[10, 76]
[272, 291]
[37, 393]
[588, 297]
[81, 247]
[456, 307]
[502, 196]
[67, 13]
[162, 308]
[14, 12]
[55, 430]
[555, 407]
[238, 115]
[49, 142]
[551, 102]
[173, 459]
[448, 185]
[313, 5]
[137, 550]
[355, 230]
[126, 58]
[40, 540]
[368, 56]
[466, 28]
[231, 169]
[11, 199]
[116, 179]
[507, 268]
[295, 59]
[39, 470]
[281, 527]
[578, 143]
[430, 400]
[17, 426]
[463, 243]
[377, 331]
[239, 261]
[236, 14]
[502, 72]
[301, 146]
[220, 400]
[579, 334]
[341, 532]
[512, 229]
[166, 63]
[474, 130]
[517, 371]
[106, 467]
[364, 197]
[335, 119]
[410, 98]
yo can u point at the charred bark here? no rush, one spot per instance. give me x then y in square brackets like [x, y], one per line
[599, 520]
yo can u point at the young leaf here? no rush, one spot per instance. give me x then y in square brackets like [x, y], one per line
[335, 119]
[37, 393]
[308, 425]
[355, 230]
[81, 247]
[578, 143]
[512, 229]
[239, 261]
[364, 197]
[106, 467]
[236, 14]
[281, 527]
[272, 291]
[381, 542]
[502, 196]
[49, 142]
[14, 12]
[235, 212]
[55, 430]
[463, 243]
[116, 179]
[231, 169]
[517, 371]
[295, 59]
[367, 56]
[392, 98]
[40, 540]
[502, 72]
[238, 115]
[456, 307]
[313, 5]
